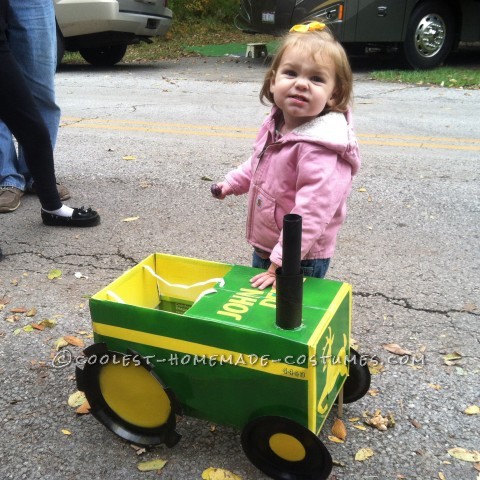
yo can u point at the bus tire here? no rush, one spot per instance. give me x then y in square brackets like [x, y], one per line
[430, 35]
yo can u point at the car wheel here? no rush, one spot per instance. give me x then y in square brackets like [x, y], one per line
[430, 35]
[104, 56]
[60, 47]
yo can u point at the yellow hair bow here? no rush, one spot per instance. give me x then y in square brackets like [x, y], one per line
[308, 27]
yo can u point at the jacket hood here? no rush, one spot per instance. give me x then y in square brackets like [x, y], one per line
[333, 131]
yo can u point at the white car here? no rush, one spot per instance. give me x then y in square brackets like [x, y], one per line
[101, 30]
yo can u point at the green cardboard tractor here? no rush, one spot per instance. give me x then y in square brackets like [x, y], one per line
[177, 335]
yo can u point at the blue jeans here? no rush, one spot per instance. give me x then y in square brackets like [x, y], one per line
[311, 268]
[31, 33]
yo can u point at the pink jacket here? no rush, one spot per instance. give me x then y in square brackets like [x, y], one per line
[308, 172]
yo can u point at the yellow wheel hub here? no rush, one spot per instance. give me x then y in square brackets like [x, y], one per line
[287, 447]
[134, 395]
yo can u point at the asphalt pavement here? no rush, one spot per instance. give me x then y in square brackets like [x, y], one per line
[142, 143]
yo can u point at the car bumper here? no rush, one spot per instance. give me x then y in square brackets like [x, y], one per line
[74, 19]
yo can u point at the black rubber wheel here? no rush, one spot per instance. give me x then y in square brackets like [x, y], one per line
[285, 450]
[430, 35]
[104, 56]
[358, 381]
[127, 397]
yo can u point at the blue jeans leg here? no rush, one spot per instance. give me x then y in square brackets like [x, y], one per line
[32, 39]
[311, 268]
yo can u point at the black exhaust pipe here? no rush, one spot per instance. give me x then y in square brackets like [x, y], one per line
[289, 277]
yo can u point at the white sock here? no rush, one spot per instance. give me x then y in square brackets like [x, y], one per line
[64, 211]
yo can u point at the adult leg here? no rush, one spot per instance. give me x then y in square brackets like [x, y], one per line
[32, 39]
[20, 114]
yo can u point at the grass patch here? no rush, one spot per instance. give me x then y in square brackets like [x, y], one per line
[442, 76]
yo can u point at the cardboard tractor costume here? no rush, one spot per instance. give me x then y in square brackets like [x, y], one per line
[177, 335]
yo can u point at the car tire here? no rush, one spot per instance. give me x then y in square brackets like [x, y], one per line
[430, 35]
[60, 47]
[104, 56]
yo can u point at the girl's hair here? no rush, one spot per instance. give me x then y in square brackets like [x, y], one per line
[320, 45]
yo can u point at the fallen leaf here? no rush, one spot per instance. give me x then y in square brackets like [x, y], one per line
[396, 349]
[334, 439]
[373, 392]
[138, 450]
[339, 430]
[4, 301]
[451, 358]
[358, 426]
[476, 466]
[219, 474]
[354, 419]
[375, 368]
[441, 476]
[66, 432]
[27, 328]
[37, 326]
[469, 307]
[435, 386]
[31, 313]
[363, 454]
[157, 464]
[464, 454]
[415, 423]
[206, 178]
[76, 399]
[472, 410]
[363, 189]
[130, 219]
[75, 341]
[84, 408]
[48, 323]
[55, 273]
[18, 310]
[129, 157]
[378, 421]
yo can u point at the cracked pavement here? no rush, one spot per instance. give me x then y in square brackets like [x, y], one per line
[409, 248]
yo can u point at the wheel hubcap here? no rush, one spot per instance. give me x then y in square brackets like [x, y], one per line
[430, 35]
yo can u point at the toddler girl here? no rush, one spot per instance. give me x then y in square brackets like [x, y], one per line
[305, 154]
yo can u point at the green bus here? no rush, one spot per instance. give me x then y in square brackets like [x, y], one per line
[424, 32]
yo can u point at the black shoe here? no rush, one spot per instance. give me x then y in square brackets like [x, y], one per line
[81, 217]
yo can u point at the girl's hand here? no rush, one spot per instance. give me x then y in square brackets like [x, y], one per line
[265, 279]
[220, 190]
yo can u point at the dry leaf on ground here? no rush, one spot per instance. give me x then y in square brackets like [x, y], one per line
[84, 408]
[55, 273]
[150, 465]
[339, 430]
[464, 454]
[452, 358]
[76, 399]
[472, 410]
[396, 349]
[364, 454]
[219, 474]
[75, 341]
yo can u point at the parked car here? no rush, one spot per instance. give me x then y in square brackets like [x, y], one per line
[424, 32]
[101, 30]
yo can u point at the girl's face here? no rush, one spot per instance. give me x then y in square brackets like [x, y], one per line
[302, 87]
